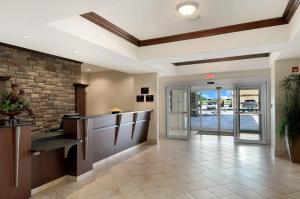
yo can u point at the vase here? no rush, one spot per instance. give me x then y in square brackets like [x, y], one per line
[294, 149]
[11, 115]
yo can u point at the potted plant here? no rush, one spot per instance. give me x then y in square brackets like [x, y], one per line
[13, 103]
[290, 119]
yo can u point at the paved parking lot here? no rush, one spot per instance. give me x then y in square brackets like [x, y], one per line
[248, 122]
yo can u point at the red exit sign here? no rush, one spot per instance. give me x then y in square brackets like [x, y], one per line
[295, 69]
[209, 76]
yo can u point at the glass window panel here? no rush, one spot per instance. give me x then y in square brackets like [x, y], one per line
[249, 100]
[178, 113]
[226, 113]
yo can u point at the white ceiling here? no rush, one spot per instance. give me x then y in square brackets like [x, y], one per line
[55, 27]
[89, 68]
[148, 19]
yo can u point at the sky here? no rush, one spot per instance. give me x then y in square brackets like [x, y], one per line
[213, 94]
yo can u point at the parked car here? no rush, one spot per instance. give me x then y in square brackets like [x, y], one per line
[211, 105]
[250, 104]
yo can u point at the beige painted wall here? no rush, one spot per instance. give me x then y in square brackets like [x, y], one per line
[84, 78]
[148, 80]
[109, 89]
[222, 79]
[279, 70]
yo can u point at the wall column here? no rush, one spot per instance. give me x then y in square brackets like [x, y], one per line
[279, 70]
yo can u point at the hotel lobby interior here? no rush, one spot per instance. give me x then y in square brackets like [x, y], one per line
[150, 99]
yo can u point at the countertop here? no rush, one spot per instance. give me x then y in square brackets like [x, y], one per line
[102, 115]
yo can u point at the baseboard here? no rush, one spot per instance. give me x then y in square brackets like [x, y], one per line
[152, 141]
[281, 154]
[79, 178]
[101, 162]
[48, 185]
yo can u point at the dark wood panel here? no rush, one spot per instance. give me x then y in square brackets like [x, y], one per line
[79, 158]
[223, 59]
[48, 166]
[216, 31]
[104, 121]
[124, 138]
[127, 118]
[291, 9]
[8, 188]
[141, 133]
[37, 52]
[143, 115]
[100, 21]
[80, 98]
[103, 144]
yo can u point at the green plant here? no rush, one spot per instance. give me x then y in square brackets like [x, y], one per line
[14, 101]
[290, 108]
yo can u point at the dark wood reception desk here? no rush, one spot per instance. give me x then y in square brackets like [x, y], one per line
[103, 136]
[85, 140]
[15, 160]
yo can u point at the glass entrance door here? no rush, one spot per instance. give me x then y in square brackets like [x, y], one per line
[212, 111]
[178, 113]
[250, 113]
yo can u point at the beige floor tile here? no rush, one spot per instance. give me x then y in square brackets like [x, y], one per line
[206, 167]
[202, 194]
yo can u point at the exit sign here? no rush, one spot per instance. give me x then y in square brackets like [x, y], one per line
[209, 76]
[295, 69]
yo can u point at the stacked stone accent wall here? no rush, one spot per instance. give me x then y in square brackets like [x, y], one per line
[47, 81]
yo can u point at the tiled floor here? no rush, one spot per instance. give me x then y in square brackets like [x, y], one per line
[206, 167]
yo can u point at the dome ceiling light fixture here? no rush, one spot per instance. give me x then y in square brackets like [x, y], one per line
[187, 8]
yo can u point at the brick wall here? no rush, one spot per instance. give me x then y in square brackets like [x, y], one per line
[47, 81]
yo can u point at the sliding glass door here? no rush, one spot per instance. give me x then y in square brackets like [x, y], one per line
[178, 113]
[211, 110]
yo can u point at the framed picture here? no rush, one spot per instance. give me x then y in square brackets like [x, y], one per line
[149, 98]
[140, 98]
[144, 90]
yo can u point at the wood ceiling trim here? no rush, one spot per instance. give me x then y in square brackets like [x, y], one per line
[216, 31]
[100, 21]
[291, 9]
[223, 59]
[284, 19]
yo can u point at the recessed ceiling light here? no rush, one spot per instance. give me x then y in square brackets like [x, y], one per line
[187, 8]
[88, 69]
[26, 36]
[76, 51]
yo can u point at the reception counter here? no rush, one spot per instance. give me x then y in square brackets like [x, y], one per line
[15, 161]
[85, 140]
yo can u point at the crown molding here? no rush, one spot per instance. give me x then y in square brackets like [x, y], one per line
[216, 31]
[100, 21]
[291, 9]
[223, 59]
[282, 20]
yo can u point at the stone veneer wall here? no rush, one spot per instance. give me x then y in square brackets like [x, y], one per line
[47, 81]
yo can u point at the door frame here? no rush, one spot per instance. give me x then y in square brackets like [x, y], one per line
[167, 92]
[263, 94]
